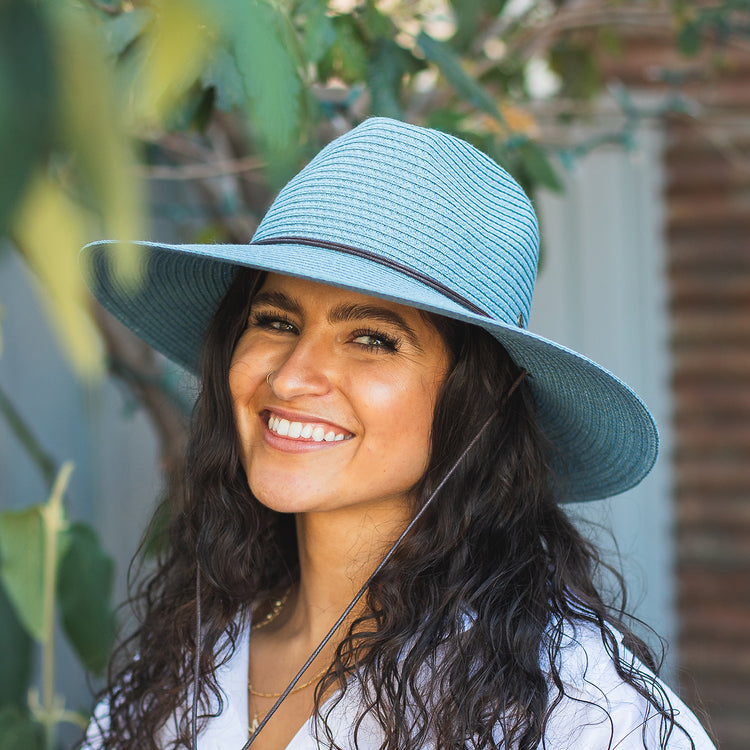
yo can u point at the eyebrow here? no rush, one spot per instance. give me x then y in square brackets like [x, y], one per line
[345, 312]
[278, 299]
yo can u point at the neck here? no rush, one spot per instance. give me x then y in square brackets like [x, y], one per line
[338, 551]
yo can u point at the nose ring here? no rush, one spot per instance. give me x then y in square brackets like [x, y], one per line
[268, 377]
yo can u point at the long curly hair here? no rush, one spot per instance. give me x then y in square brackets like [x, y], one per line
[462, 627]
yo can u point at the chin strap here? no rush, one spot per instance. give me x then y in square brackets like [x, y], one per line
[350, 606]
[198, 652]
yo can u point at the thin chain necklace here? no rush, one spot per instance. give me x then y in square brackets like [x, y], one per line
[255, 723]
[278, 605]
[296, 688]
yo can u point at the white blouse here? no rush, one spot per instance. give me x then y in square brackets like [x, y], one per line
[598, 710]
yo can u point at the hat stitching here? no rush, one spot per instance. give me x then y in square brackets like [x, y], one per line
[482, 282]
[389, 263]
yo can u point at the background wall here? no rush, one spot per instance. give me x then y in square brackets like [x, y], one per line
[601, 291]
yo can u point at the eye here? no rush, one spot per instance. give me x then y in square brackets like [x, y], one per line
[376, 341]
[273, 321]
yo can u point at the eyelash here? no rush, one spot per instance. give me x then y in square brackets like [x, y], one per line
[271, 320]
[390, 343]
[268, 319]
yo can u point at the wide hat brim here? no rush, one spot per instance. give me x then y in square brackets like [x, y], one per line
[605, 437]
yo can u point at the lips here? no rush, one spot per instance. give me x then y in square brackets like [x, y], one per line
[304, 430]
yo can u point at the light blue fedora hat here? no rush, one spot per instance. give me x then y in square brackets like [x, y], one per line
[423, 218]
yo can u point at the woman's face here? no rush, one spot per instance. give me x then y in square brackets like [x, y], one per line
[344, 419]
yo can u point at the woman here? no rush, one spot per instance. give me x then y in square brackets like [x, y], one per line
[371, 552]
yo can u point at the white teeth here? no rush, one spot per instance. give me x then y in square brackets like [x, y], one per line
[305, 430]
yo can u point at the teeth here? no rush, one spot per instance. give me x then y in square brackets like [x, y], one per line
[306, 431]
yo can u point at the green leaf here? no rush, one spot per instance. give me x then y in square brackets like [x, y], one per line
[194, 110]
[27, 99]
[347, 57]
[450, 66]
[610, 41]
[318, 33]
[221, 72]
[18, 731]
[448, 120]
[15, 656]
[255, 30]
[472, 18]
[387, 66]
[467, 14]
[204, 109]
[84, 588]
[689, 40]
[22, 568]
[122, 30]
[538, 166]
[25, 539]
[385, 71]
[376, 25]
[578, 68]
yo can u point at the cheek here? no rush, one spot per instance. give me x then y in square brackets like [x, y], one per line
[401, 418]
[244, 382]
[247, 371]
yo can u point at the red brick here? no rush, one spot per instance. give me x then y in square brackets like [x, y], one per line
[707, 230]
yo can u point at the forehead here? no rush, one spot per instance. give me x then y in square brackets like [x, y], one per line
[313, 293]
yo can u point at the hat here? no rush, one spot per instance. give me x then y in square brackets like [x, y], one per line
[422, 218]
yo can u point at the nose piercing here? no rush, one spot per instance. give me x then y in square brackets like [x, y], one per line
[268, 377]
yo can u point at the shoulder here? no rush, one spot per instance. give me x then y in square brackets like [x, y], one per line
[227, 726]
[594, 707]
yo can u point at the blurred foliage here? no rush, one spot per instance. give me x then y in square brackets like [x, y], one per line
[715, 24]
[48, 565]
[112, 111]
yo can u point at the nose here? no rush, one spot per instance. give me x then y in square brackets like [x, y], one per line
[306, 370]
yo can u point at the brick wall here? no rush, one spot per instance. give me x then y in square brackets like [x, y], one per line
[707, 196]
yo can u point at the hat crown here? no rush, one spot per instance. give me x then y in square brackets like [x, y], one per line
[422, 199]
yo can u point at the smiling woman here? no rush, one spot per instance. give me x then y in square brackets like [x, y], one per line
[322, 381]
[372, 551]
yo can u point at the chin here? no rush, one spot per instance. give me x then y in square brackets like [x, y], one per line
[288, 500]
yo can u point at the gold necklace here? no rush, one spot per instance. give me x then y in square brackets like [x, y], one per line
[296, 689]
[278, 605]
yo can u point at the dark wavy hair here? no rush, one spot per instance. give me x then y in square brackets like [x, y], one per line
[480, 590]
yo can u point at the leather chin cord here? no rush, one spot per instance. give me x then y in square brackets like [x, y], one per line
[350, 606]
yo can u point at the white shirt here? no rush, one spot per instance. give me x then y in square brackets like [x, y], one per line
[598, 710]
